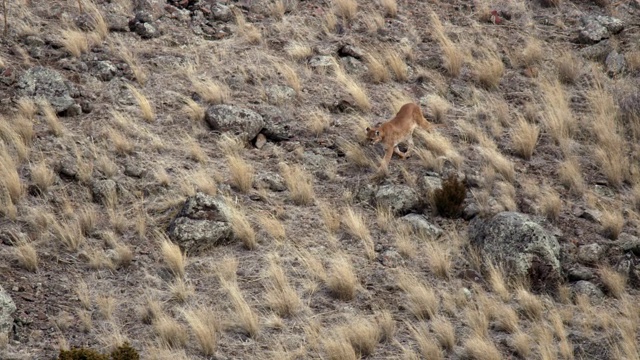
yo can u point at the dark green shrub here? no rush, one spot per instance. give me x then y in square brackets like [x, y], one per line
[123, 352]
[81, 354]
[448, 199]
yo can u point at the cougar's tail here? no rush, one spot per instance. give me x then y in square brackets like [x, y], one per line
[420, 120]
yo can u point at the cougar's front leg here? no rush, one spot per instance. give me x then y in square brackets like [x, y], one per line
[387, 158]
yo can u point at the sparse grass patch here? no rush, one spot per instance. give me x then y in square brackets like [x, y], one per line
[390, 7]
[51, 118]
[247, 319]
[42, 176]
[521, 344]
[346, 9]
[356, 154]
[281, 296]
[444, 332]
[299, 183]
[249, 31]
[318, 121]
[437, 107]
[532, 52]
[341, 280]
[488, 71]
[499, 163]
[173, 257]
[205, 326]
[428, 348]
[170, 332]
[273, 227]
[613, 281]
[290, 76]
[339, 348]
[612, 222]
[131, 59]
[27, 108]
[352, 86]
[242, 173]
[181, 290]
[549, 203]
[568, 67]
[195, 112]
[557, 118]
[480, 348]
[386, 325]
[27, 256]
[524, 137]
[241, 226]
[357, 227]
[397, 65]
[146, 109]
[571, 176]
[69, 234]
[299, 50]
[330, 217]
[377, 71]
[497, 282]
[438, 258]
[210, 91]
[422, 300]
[74, 41]
[452, 56]
[363, 335]
[530, 304]
[106, 306]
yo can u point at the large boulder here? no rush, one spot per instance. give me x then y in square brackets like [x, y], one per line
[42, 82]
[7, 308]
[277, 122]
[241, 122]
[401, 199]
[598, 27]
[202, 223]
[525, 248]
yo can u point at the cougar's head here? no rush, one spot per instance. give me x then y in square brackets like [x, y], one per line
[374, 135]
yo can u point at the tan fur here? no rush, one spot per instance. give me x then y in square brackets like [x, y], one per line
[398, 130]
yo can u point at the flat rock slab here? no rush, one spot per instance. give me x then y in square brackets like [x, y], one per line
[42, 82]
[241, 122]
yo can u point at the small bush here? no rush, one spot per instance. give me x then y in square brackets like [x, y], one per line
[448, 199]
[122, 352]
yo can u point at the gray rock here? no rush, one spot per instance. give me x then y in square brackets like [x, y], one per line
[391, 258]
[221, 12]
[629, 243]
[614, 63]
[146, 30]
[7, 308]
[277, 122]
[322, 62]
[527, 249]
[41, 82]
[592, 215]
[68, 167]
[33, 40]
[279, 94]
[470, 211]
[589, 289]
[104, 190]
[352, 51]
[590, 254]
[105, 70]
[597, 52]
[365, 193]
[580, 272]
[400, 198]
[420, 224]
[431, 183]
[202, 224]
[134, 170]
[241, 122]
[598, 27]
[272, 181]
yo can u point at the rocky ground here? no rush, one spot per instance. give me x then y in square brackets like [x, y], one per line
[191, 177]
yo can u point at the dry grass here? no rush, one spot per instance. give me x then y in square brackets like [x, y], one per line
[318, 121]
[173, 257]
[299, 50]
[10, 135]
[211, 91]
[438, 258]
[273, 227]
[27, 256]
[497, 282]
[299, 183]
[489, 70]
[281, 296]
[422, 300]
[377, 70]
[363, 335]
[357, 155]
[146, 109]
[27, 108]
[613, 281]
[241, 226]
[357, 227]
[196, 152]
[250, 32]
[42, 176]
[532, 53]
[570, 176]
[499, 163]
[530, 305]
[437, 108]
[557, 117]
[353, 87]
[612, 222]
[121, 144]
[505, 318]
[10, 183]
[346, 9]
[330, 217]
[74, 41]
[69, 234]
[341, 280]
[568, 67]
[106, 306]
[132, 61]
[247, 319]
[397, 65]
[479, 348]
[477, 318]
[290, 76]
[195, 112]
[444, 332]
[339, 348]
[390, 7]
[521, 343]
[428, 348]
[524, 137]
[205, 326]
[51, 118]
[241, 172]
[452, 57]
[549, 203]
[170, 332]
[404, 242]
[386, 325]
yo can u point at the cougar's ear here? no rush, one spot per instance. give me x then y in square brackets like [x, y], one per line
[367, 129]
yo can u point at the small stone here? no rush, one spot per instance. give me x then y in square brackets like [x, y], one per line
[221, 12]
[420, 224]
[590, 254]
[133, 170]
[279, 94]
[68, 168]
[579, 272]
[260, 141]
[391, 258]
[352, 51]
[592, 215]
[470, 211]
[589, 289]
[105, 70]
[322, 62]
[629, 243]
[614, 63]
[73, 110]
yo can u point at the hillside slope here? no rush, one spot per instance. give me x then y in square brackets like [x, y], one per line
[192, 177]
